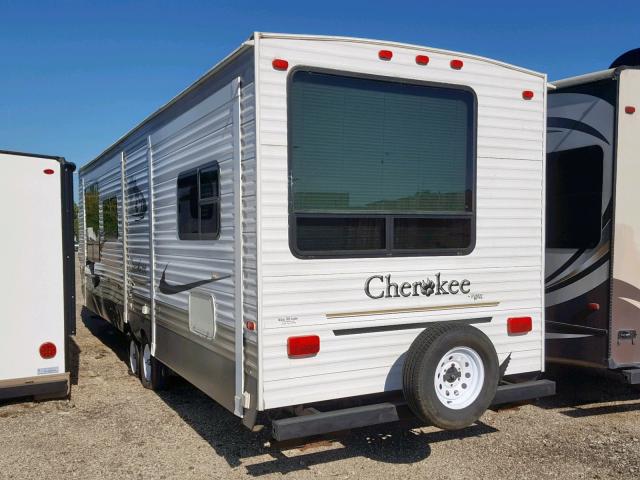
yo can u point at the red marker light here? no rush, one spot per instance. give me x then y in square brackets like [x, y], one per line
[629, 109]
[519, 325]
[251, 325]
[305, 346]
[422, 59]
[456, 64]
[48, 350]
[527, 94]
[48, 171]
[385, 54]
[594, 307]
[280, 64]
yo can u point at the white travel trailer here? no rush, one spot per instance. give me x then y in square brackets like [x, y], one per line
[37, 286]
[322, 218]
[593, 227]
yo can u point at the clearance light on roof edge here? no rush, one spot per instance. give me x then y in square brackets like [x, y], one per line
[527, 94]
[519, 325]
[385, 54]
[422, 59]
[629, 109]
[305, 346]
[48, 171]
[456, 64]
[280, 64]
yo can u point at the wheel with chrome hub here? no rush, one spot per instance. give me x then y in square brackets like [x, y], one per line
[153, 374]
[134, 357]
[450, 375]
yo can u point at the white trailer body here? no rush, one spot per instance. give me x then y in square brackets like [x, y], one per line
[37, 288]
[249, 225]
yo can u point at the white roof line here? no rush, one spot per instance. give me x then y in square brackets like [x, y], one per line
[328, 38]
[586, 78]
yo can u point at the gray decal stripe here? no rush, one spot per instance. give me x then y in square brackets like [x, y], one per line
[565, 265]
[580, 275]
[571, 124]
[404, 326]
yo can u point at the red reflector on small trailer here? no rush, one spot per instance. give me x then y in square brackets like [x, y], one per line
[48, 171]
[456, 64]
[304, 346]
[629, 109]
[527, 94]
[251, 325]
[385, 54]
[516, 325]
[422, 59]
[280, 64]
[48, 350]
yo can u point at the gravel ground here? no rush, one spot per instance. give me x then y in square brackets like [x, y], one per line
[113, 428]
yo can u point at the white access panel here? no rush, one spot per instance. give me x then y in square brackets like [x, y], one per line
[31, 287]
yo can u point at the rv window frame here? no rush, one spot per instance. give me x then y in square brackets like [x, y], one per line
[93, 259]
[103, 233]
[216, 199]
[388, 251]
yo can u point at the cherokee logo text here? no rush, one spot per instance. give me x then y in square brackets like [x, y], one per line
[379, 286]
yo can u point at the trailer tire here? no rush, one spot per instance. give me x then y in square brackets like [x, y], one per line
[134, 357]
[450, 375]
[153, 373]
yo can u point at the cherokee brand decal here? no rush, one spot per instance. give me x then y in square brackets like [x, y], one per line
[138, 209]
[379, 286]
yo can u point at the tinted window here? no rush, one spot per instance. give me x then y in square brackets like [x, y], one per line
[92, 223]
[199, 203]
[110, 219]
[574, 198]
[365, 153]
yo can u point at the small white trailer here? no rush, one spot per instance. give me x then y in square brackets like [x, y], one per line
[38, 285]
[325, 218]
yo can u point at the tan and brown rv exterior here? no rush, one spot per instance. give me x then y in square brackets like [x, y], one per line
[593, 229]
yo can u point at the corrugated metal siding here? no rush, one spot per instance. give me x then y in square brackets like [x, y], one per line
[138, 235]
[202, 135]
[505, 267]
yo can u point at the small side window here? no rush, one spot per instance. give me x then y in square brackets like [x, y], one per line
[110, 219]
[92, 223]
[199, 203]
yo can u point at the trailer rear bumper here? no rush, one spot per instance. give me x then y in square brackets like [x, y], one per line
[318, 423]
[41, 387]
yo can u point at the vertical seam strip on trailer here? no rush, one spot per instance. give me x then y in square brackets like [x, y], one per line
[125, 250]
[152, 250]
[238, 284]
[543, 316]
[256, 99]
[84, 240]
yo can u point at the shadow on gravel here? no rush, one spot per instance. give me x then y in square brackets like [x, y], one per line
[395, 443]
[106, 333]
[578, 387]
[390, 443]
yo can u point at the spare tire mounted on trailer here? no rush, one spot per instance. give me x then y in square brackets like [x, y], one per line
[450, 375]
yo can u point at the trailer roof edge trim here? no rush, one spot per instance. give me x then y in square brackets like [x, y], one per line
[586, 78]
[422, 48]
[212, 71]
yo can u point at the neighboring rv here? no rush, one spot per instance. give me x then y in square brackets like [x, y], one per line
[37, 284]
[322, 218]
[593, 225]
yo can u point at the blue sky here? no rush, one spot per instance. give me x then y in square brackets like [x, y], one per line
[76, 75]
